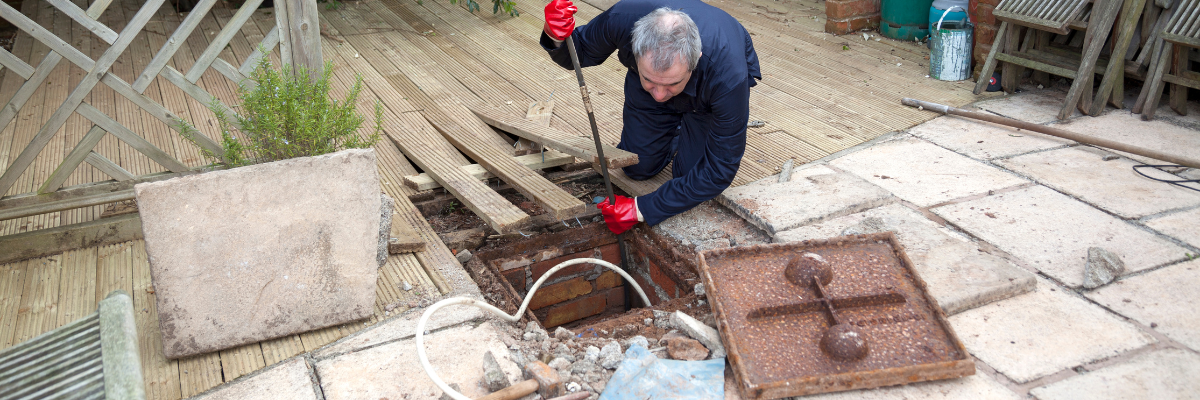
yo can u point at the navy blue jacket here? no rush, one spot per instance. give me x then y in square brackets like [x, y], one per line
[706, 122]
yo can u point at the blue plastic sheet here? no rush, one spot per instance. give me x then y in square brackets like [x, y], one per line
[643, 376]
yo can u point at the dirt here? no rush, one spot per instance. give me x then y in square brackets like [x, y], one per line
[453, 216]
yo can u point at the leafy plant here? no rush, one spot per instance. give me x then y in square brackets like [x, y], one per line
[509, 6]
[331, 4]
[286, 115]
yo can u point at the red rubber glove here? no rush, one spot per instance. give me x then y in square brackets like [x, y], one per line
[560, 19]
[621, 216]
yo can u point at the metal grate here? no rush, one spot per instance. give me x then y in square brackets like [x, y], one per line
[64, 363]
[1048, 15]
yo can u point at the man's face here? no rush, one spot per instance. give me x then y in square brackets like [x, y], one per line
[663, 85]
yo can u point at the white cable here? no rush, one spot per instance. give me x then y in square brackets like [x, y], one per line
[510, 318]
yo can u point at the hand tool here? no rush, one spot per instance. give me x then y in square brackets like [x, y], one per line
[612, 199]
[543, 380]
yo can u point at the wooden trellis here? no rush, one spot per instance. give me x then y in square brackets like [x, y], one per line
[299, 45]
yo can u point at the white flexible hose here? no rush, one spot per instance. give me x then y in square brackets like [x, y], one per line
[511, 318]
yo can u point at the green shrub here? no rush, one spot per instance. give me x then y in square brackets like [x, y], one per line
[286, 115]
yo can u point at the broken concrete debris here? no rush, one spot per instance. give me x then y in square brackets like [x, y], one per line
[464, 256]
[699, 331]
[386, 205]
[592, 354]
[1102, 267]
[563, 334]
[611, 355]
[493, 376]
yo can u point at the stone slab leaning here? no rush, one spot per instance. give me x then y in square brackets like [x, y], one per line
[263, 251]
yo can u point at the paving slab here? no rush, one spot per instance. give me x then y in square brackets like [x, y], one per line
[1037, 106]
[403, 326]
[1111, 185]
[983, 140]
[923, 173]
[710, 226]
[958, 274]
[263, 251]
[1052, 232]
[1163, 374]
[1040, 333]
[1128, 128]
[813, 194]
[975, 387]
[1164, 299]
[1180, 225]
[290, 379]
[393, 370]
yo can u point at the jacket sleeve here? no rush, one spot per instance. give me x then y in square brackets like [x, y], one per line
[723, 151]
[594, 42]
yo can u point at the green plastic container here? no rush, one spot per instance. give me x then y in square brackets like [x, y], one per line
[905, 19]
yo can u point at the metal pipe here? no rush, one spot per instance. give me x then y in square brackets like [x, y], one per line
[612, 198]
[1065, 134]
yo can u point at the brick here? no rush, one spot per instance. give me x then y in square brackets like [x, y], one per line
[573, 310]
[663, 281]
[616, 297]
[516, 277]
[608, 253]
[844, 9]
[984, 35]
[549, 295]
[841, 27]
[650, 293]
[609, 279]
[982, 14]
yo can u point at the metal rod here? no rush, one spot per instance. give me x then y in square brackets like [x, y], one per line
[1065, 134]
[612, 198]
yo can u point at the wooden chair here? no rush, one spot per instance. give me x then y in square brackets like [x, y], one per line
[1180, 36]
[95, 357]
[1046, 17]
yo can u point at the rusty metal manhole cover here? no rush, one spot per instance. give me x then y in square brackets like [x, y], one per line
[828, 315]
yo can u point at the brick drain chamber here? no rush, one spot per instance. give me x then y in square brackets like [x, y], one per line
[584, 295]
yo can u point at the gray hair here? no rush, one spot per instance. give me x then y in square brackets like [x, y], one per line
[667, 36]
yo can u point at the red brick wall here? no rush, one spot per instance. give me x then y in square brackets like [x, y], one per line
[845, 16]
[985, 28]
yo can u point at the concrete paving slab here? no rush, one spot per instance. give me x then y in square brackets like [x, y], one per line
[1111, 185]
[1125, 127]
[1052, 232]
[1037, 106]
[710, 226]
[975, 387]
[1181, 225]
[1164, 300]
[813, 194]
[958, 274]
[1163, 374]
[403, 326]
[983, 140]
[923, 173]
[393, 370]
[1043, 332]
[263, 251]
[290, 379]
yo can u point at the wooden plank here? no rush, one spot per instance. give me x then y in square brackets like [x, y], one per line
[76, 97]
[279, 349]
[72, 160]
[18, 66]
[46, 242]
[177, 38]
[415, 137]
[403, 238]
[108, 167]
[199, 373]
[314, 340]
[134, 140]
[1104, 12]
[38, 310]
[12, 281]
[269, 43]
[534, 161]
[218, 42]
[1131, 13]
[299, 35]
[241, 360]
[577, 146]
[88, 22]
[77, 290]
[160, 374]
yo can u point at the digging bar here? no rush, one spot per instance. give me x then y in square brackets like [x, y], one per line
[1065, 134]
[612, 199]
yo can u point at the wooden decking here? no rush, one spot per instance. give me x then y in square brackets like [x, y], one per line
[430, 63]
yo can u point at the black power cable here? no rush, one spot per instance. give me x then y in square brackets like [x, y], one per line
[1179, 182]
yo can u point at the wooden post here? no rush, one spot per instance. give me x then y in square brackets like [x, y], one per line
[300, 35]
